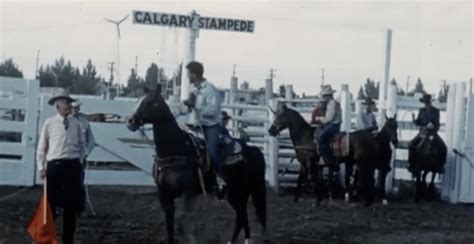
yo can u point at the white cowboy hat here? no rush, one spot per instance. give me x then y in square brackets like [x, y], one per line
[76, 103]
[61, 94]
[326, 90]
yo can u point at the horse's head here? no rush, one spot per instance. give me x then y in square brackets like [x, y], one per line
[151, 108]
[391, 128]
[282, 120]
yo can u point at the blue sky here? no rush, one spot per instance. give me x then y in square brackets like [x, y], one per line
[431, 40]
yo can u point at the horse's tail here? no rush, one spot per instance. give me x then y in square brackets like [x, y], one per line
[258, 184]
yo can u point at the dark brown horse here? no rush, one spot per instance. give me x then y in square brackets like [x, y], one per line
[177, 176]
[429, 156]
[367, 151]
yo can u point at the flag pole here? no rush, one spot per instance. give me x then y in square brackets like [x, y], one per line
[45, 199]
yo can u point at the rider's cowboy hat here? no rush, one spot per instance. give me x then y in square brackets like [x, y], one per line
[326, 90]
[426, 98]
[76, 103]
[61, 94]
[225, 116]
[368, 101]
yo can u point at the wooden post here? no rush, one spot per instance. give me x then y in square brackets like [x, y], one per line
[384, 85]
[391, 112]
[272, 161]
[268, 90]
[234, 85]
[458, 134]
[450, 107]
[189, 55]
[346, 108]
[289, 92]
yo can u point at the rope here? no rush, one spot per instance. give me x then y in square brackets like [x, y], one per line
[89, 202]
[463, 155]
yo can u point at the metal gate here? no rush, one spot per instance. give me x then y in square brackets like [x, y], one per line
[18, 130]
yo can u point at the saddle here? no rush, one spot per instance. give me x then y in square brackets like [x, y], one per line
[339, 145]
[232, 149]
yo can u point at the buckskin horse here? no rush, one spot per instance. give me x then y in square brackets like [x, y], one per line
[367, 151]
[429, 156]
[176, 170]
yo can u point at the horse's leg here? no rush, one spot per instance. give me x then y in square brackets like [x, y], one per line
[417, 175]
[190, 204]
[382, 177]
[347, 177]
[317, 181]
[332, 184]
[367, 174]
[167, 202]
[299, 184]
[432, 189]
[259, 202]
[424, 187]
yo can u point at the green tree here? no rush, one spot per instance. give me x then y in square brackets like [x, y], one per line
[282, 90]
[443, 93]
[87, 81]
[134, 84]
[151, 77]
[61, 74]
[9, 68]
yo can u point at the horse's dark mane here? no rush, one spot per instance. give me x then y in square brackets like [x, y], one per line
[299, 119]
[299, 128]
[170, 139]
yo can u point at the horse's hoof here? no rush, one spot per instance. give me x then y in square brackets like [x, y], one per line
[385, 202]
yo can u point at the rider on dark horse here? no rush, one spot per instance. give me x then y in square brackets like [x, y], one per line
[206, 103]
[428, 118]
[366, 118]
[331, 125]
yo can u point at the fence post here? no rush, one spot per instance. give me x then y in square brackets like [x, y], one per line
[458, 134]
[234, 86]
[391, 111]
[268, 90]
[447, 176]
[346, 108]
[272, 169]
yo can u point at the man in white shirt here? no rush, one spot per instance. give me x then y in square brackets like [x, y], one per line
[331, 124]
[61, 147]
[207, 105]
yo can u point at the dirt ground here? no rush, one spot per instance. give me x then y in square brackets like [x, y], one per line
[133, 215]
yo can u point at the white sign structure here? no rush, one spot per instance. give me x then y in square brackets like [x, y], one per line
[192, 23]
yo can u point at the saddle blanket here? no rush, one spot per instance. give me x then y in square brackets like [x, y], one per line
[340, 145]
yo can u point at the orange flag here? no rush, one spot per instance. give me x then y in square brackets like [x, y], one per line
[41, 228]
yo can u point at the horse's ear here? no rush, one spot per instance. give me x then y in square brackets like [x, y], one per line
[395, 116]
[385, 114]
[157, 91]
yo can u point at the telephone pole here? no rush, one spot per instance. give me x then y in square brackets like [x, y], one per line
[272, 74]
[408, 84]
[111, 69]
[233, 71]
[322, 77]
[136, 64]
[37, 62]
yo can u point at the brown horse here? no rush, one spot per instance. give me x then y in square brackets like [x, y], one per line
[177, 176]
[367, 151]
[428, 156]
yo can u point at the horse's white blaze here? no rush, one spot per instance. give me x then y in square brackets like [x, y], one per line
[385, 202]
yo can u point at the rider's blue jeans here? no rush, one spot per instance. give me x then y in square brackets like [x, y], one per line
[211, 133]
[324, 137]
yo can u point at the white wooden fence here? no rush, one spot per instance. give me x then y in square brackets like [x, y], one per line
[124, 158]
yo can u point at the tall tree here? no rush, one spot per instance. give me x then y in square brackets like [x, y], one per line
[361, 94]
[9, 68]
[61, 74]
[419, 87]
[88, 81]
[371, 89]
[134, 84]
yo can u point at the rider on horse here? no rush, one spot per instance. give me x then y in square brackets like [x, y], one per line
[331, 124]
[207, 104]
[365, 118]
[428, 118]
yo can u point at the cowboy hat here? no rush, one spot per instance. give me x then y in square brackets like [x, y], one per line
[61, 94]
[426, 98]
[225, 116]
[368, 101]
[326, 90]
[76, 103]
